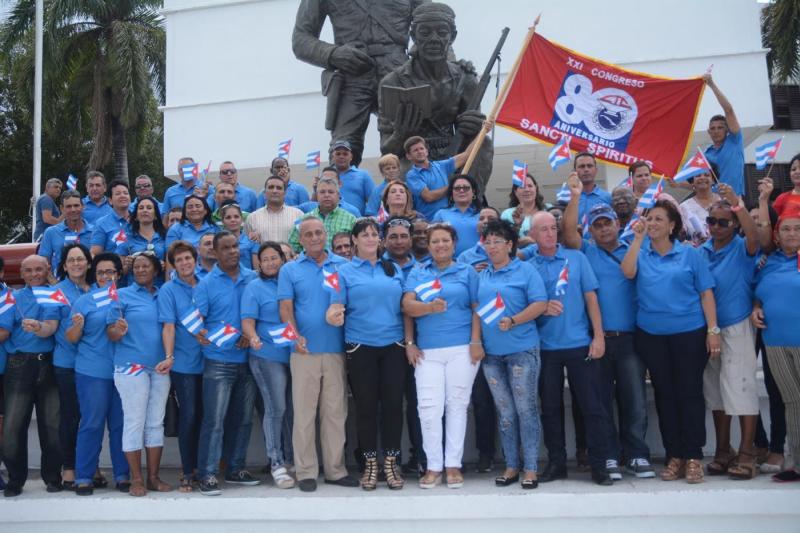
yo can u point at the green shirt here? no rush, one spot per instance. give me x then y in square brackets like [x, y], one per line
[335, 222]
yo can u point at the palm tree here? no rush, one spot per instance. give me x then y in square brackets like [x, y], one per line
[780, 30]
[107, 54]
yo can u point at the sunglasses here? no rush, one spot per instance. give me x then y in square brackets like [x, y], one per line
[462, 188]
[398, 222]
[721, 222]
[228, 172]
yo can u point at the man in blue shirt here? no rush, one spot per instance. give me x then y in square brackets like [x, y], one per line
[357, 184]
[245, 196]
[623, 370]
[176, 195]
[72, 229]
[95, 203]
[47, 213]
[296, 194]
[27, 330]
[585, 165]
[572, 312]
[727, 146]
[113, 229]
[228, 386]
[143, 188]
[317, 361]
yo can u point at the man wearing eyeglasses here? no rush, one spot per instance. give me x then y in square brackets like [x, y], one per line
[143, 188]
[274, 221]
[245, 197]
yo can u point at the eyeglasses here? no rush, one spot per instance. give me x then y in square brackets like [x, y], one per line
[495, 243]
[74, 260]
[367, 219]
[106, 273]
[228, 172]
[398, 222]
[143, 186]
[462, 188]
[721, 222]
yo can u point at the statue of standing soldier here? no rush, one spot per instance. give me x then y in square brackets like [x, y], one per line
[370, 40]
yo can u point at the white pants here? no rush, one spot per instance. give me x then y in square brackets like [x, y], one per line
[729, 381]
[444, 385]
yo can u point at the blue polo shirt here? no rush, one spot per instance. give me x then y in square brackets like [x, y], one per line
[571, 328]
[176, 195]
[136, 243]
[778, 290]
[669, 287]
[464, 222]
[94, 352]
[260, 302]
[219, 298]
[433, 177]
[201, 272]
[93, 212]
[26, 307]
[306, 207]
[372, 303]
[246, 198]
[106, 228]
[175, 300]
[519, 285]
[135, 202]
[64, 352]
[410, 265]
[374, 202]
[247, 249]
[616, 293]
[357, 186]
[734, 274]
[301, 281]
[588, 201]
[460, 291]
[296, 194]
[56, 237]
[474, 255]
[185, 231]
[142, 343]
[42, 203]
[729, 158]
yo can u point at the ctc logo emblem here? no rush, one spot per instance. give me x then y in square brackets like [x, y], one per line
[608, 113]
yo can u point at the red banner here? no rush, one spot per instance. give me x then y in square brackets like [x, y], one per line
[619, 115]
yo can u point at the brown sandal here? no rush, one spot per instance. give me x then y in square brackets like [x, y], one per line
[721, 463]
[743, 469]
[675, 469]
[137, 488]
[185, 485]
[156, 485]
[694, 471]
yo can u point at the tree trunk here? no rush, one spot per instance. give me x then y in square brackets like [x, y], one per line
[119, 149]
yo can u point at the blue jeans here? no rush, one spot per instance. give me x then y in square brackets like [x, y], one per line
[70, 414]
[514, 383]
[188, 390]
[623, 373]
[228, 398]
[273, 380]
[100, 405]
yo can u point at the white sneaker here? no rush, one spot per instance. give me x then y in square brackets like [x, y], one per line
[282, 478]
[613, 470]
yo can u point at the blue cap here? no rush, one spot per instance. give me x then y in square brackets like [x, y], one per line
[601, 211]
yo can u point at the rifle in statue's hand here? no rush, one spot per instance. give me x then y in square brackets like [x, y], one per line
[483, 84]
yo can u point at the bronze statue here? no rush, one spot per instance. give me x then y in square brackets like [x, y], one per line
[370, 40]
[452, 88]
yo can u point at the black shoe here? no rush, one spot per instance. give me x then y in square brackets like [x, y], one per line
[210, 486]
[503, 481]
[346, 481]
[242, 477]
[307, 485]
[124, 486]
[68, 485]
[485, 464]
[553, 472]
[530, 483]
[84, 490]
[12, 490]
[54, 487]
[602, 478]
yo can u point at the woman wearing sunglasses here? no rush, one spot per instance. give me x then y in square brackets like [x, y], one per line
[463, 211]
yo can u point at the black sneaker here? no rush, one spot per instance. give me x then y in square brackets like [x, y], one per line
[601, 477]
[12, 490]
[210, 487]
[242, 477]
[613, 469]
[54, 486]
[485, 464]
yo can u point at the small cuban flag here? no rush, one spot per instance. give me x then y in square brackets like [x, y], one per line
[312, 159]
[120, 237]
[193, 321]
[628, 183]
[7, 302]
[72, 182]
[284, 147]
[563, 280]
[106, 295]
[46, 296]
[698, 164]
[283, 334]
[382, 215]
[585, 225]
[563, 195]
[203, 174]
[492, 310]
[650, 196]
[519, 173]
[560, 153]
[628, 231]
[190, 171]
[130, 369]
[330, 280]
[224, 336]
[766, 153]
[426, 291]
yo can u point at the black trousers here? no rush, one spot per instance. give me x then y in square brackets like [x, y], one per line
[676, 363]
[70, 415]
[377, 376]
[30, 382]
[485, 415]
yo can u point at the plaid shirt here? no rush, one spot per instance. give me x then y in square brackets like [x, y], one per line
[335, 222]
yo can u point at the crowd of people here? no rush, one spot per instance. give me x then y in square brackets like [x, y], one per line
[418, 298]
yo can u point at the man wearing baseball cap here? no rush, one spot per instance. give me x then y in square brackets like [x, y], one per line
[357, 184]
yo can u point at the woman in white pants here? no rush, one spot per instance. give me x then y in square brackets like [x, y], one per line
[441, 297]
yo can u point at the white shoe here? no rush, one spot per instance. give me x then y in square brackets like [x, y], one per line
[282, 478]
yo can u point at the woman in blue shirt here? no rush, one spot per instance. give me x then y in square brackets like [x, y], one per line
[179, 323]
[462, 212]
[231, 214]
[141, 372]
[511, 295]
[440, 296]
[147, 234]
[368, 305]
[100, 405]
[74, 275]
[524, 202]
[676, 330]
[269, 361]
[777, 313]
[195, 222]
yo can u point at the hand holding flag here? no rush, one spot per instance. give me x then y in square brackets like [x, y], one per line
[426, 291]
[330, 280]
[189, 171]
[224, 336]
[519, 174]
[650, 196]
[284, 334]
[695, 166]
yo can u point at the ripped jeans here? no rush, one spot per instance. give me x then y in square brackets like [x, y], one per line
[514, 382]
[444, 385]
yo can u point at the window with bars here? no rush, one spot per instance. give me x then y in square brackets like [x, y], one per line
[780, 177]
[785, 107]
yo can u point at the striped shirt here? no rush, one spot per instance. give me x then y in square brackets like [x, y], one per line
[271, 225]
[335, 222]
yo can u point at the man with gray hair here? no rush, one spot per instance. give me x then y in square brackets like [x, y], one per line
[334, 218]
[47, 212]
[143, 188]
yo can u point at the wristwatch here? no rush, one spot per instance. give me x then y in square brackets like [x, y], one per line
[168, 357]
[714, 331]
[513, 322]
[762, 224]
[409, 343]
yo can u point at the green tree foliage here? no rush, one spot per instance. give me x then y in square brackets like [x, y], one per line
[780, 30]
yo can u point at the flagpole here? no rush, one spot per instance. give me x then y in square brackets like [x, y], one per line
[501, 97]
[37, 109]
